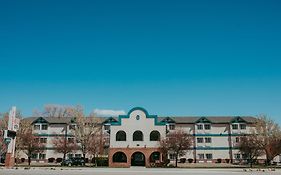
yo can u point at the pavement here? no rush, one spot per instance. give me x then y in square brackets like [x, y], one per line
[133, 171]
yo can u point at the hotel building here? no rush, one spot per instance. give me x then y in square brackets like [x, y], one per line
[133, 139]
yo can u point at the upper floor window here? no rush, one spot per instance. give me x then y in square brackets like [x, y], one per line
[235, 126]
[200, 140]
[121, 136]
[242, 126]
[70, 140]
[154, 136]
[36, 127]
[43, 140]
[208, 140]
[137, 136]
[72, 126]
[199, 127]
[207, 126]
[172, 127]
[44, 127]
[107, 127]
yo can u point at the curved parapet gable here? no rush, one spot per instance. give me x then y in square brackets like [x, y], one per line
[155, 117]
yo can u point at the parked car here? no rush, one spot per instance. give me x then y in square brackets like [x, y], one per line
[75, 161]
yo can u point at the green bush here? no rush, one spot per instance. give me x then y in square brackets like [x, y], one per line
[101, 161]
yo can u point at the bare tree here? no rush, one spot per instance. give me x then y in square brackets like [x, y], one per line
[269, 134]
[64, 146]
[95, 144]
[3, 126]
[250, 146]
[86, 129]
[54, 110]
[27, 142]
[177, 142]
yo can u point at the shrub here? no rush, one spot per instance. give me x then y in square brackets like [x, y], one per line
[51, 160]
[190, 160]
[59, 160]
[182, 160]
[102, 161]
[219, 161]
[86, 160]
[171, 166]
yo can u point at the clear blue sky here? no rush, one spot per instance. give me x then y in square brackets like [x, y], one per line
[170, 57]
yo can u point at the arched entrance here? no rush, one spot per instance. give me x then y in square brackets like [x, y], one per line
[138, 159]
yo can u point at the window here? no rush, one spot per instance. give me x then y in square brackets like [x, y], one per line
[244, 156]
[234, 126]
[72, 126]
[199, 127]
[200, 156]
[237, 156]
[208, 140]
[43, 140]
[70, 156]
[172, 156]
[237, 139]
[119, 157]
[107, 127]
[199, 140]
[207, 126]
[78, 155]
[121, 136]
[242, 126]
[44, 127]
[42, 156]
[172, 127]
[70, 140]
[34, 156]
[36, 127]
[154, 136]
[137, 136]
[209, 156]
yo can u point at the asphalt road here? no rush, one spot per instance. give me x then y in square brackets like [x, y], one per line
[131, 171]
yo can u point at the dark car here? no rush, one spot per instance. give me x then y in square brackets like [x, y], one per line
[75, 161]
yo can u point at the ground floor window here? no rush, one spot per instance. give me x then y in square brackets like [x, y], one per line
[120, 157]
[78, 155]
[200, 156]
[172, 156]
[209, 156]
[237, 156]
[42, 156]
[34, 156]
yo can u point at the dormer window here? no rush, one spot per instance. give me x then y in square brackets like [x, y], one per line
[243, 126]
[44, 127]
[234, 126]
[36, 127]
[200, 127]
[207, 126]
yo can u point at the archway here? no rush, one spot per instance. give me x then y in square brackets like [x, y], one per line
[138, 159]
[154, 157]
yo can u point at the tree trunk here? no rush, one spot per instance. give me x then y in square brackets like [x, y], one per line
[84, 157]
[29, 160]
[176, 160]
[64, 156]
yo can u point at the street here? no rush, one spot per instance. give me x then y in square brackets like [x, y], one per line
[130, 171]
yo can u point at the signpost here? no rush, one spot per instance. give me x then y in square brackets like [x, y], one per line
[10, 138]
